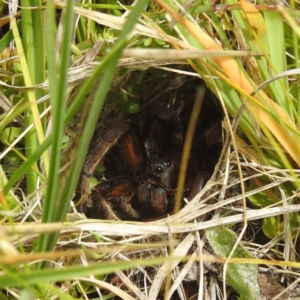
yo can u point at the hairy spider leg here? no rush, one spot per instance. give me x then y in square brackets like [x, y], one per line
[135, 150]
[122, 188]
[110, 138]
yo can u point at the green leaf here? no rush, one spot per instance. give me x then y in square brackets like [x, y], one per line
[9, 134]
[242, 277]
[159, 42]
[93, 183]
[272, 227]
[269, 227]
[12, 157]
[148, 42]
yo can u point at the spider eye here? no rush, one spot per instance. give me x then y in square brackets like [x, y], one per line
[167, 163]
[158, 169]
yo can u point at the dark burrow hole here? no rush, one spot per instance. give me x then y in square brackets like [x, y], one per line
[148, 99]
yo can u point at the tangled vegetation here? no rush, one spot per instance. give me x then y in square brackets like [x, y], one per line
[71, 71]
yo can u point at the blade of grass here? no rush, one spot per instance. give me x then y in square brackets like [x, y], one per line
[7, 38]
[34, 277]
[187, 146]
[295, 52]
[274, 24]
[27, 165]
[13, 113]
[58, 88]
[18, 279]
[269, 36]
[48, 241]
[33, 66]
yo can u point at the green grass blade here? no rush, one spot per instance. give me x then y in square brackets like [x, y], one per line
[279, 88]
[58, 101]
[32, 28]
[48, 241]
[8, 37]
[27, 165]
[47, 275]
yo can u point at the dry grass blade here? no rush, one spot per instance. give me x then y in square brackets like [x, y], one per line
[278, 76]
[182, 275]
[136, 290]
[119, 22]
[102, 284]
[123, 229]
[172, 54]
[180, 252]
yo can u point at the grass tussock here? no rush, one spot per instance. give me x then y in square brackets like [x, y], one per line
[95, 65]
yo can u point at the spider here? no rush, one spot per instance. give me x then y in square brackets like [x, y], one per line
[153, 151]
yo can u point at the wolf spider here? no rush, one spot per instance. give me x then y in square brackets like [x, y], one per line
[150, 190]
